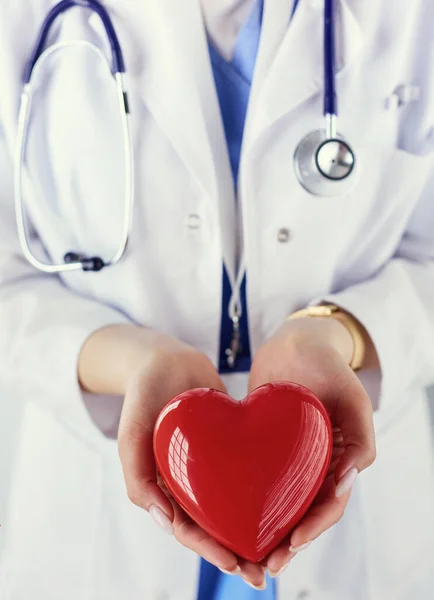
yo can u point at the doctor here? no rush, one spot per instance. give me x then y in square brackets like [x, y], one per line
[230, 236]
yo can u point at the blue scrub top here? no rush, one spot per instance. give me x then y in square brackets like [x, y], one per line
[233, 83]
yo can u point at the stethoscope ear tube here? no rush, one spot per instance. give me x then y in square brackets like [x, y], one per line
[94, 263]
[23, 235]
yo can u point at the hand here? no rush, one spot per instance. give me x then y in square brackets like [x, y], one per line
[316, 352]
[150, 369]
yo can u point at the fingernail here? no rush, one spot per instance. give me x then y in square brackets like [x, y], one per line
[161, 519]
[233, 572]
[260, 588]
[346, 482]
[274, 574]
[296, 549]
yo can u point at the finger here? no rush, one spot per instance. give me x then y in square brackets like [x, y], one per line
[279, 559]
[253, 574]
[326, 511]
[196, 539]
[135, 445]
[352, 413]
[307, 529]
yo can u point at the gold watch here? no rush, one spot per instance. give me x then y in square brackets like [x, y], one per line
[333, 311]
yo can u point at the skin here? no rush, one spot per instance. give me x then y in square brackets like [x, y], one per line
[149, 369]
[316, 352]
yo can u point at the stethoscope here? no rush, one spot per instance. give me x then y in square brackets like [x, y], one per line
[324, 162]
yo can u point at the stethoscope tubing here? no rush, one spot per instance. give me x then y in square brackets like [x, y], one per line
[330, 96]
[73, 261]
[118, 64]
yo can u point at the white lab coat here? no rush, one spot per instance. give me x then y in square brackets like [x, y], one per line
[72, 533]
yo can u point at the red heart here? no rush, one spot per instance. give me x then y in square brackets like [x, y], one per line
[247, 471]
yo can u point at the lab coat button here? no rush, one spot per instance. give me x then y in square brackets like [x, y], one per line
[193, 221]
[303, 594]
[283, 235]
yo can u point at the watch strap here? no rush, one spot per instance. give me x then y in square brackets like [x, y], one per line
[334, 312]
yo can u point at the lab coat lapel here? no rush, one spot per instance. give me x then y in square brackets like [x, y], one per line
[276, 17]
[296, 73]
[172, 73]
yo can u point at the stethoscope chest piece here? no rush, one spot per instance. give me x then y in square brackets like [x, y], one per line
[325, 166]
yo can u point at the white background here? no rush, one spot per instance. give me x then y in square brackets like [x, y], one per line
[9, 433]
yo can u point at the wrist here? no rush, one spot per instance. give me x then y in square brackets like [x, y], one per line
[116, 355]
[324, 330]
[110, 357]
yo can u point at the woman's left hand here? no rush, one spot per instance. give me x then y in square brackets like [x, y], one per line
[316, 352]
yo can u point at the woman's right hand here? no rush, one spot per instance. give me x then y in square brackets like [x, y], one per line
[150, 369]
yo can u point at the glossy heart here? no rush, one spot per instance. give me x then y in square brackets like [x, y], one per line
[247, 471]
